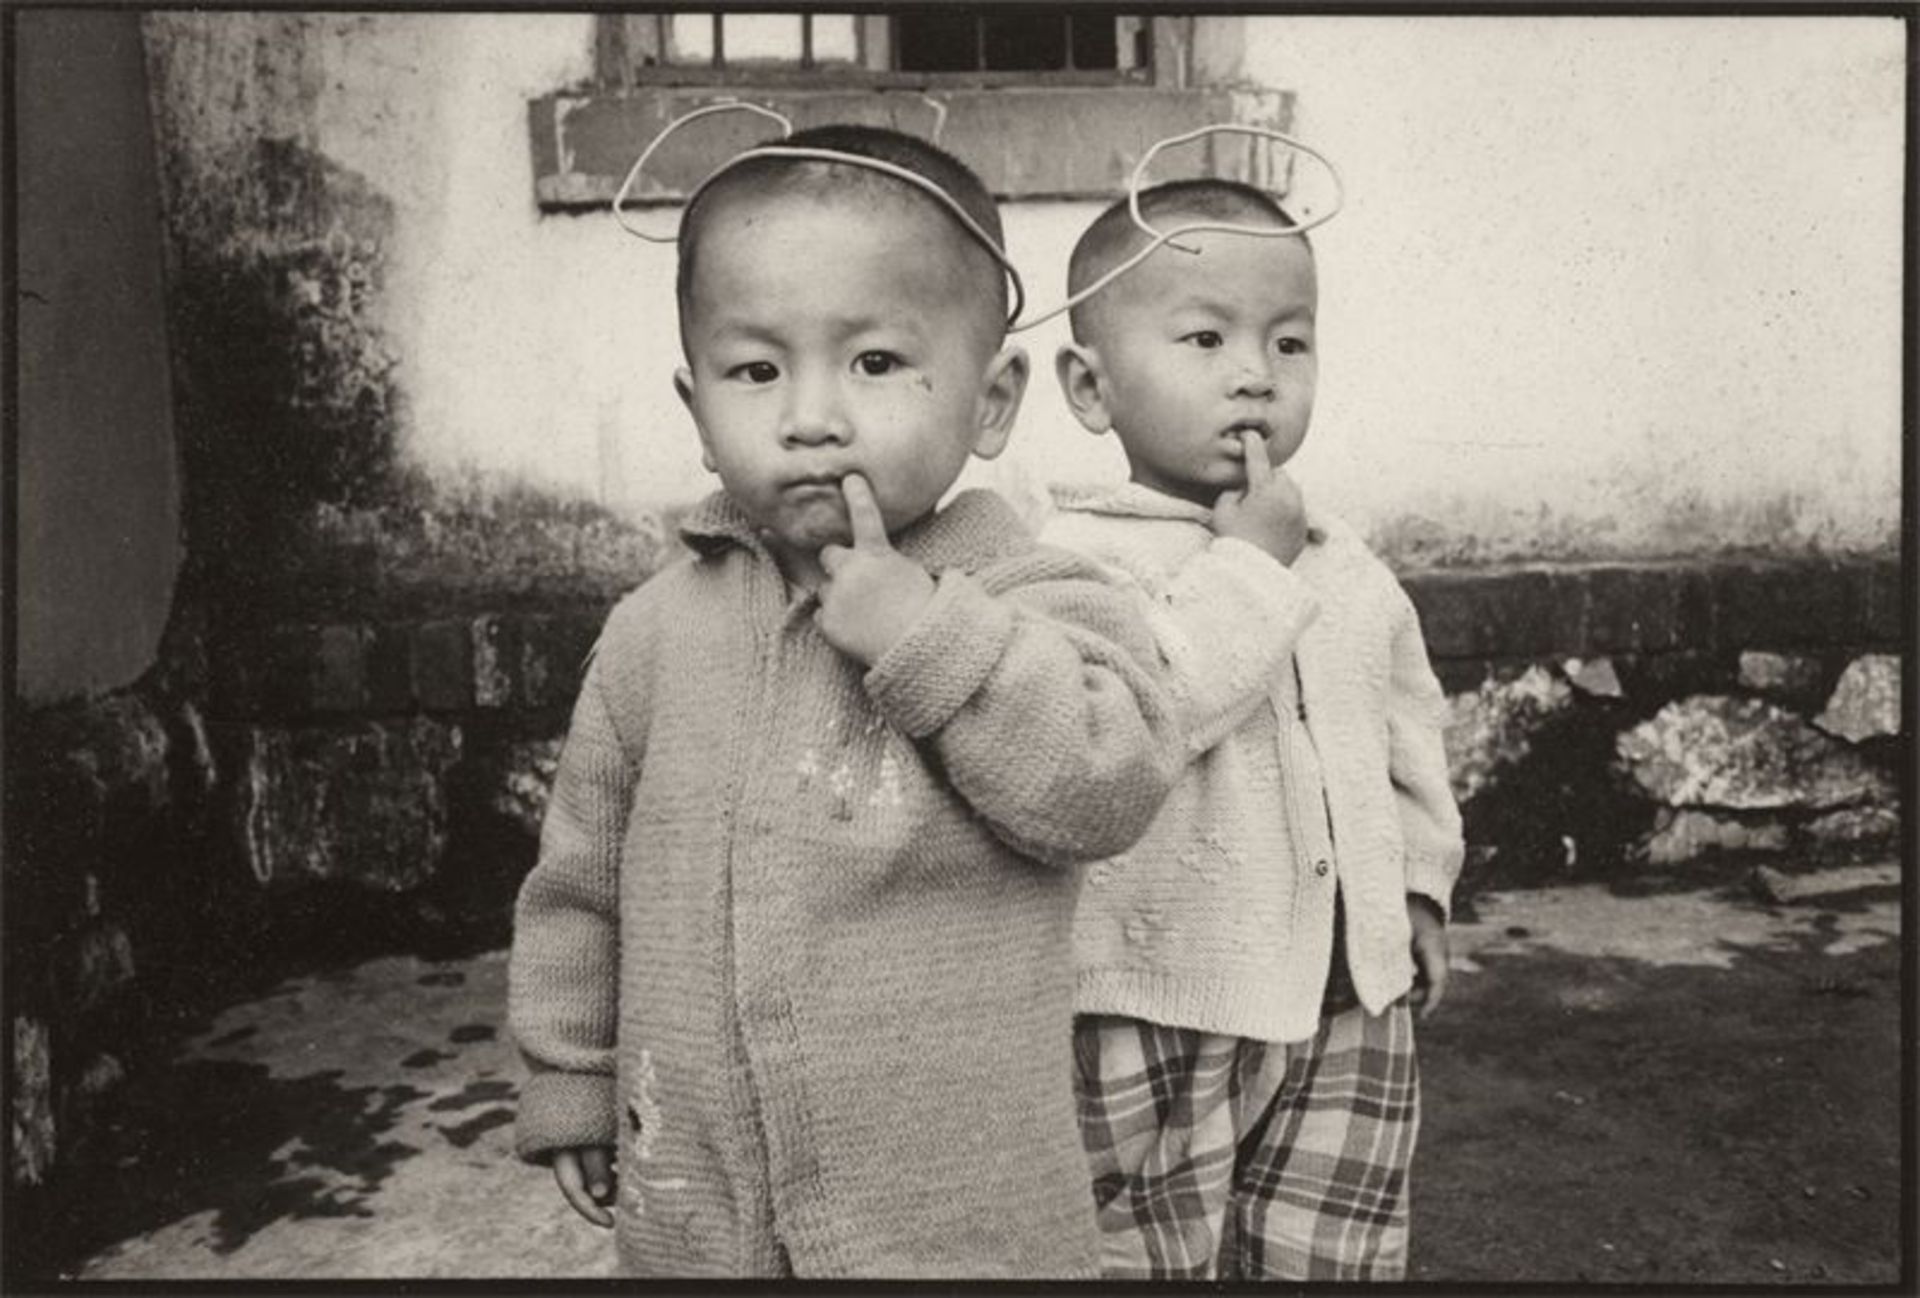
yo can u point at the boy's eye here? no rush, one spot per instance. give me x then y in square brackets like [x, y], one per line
[755, 372]
[1206, 338]
[876, 363]
[1291, 346]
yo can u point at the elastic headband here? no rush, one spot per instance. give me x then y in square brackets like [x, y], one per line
[809, 153]
[1157, 237]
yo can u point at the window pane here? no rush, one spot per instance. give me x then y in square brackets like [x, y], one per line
[1026, 42]
[835, 39]
[980, 38]
[690, 38]
[1094, 43]
[940, 41]
[763, 36]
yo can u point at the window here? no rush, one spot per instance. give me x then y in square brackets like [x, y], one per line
[950, 46]
[1041, 102]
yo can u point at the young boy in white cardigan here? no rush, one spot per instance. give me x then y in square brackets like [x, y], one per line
[1243, 1039]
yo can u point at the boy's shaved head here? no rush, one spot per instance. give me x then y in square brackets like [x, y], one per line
[1113, 237]
[760, 178]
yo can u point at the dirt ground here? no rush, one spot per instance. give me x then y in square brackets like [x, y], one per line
[1679, 1087]
[1609, 1120]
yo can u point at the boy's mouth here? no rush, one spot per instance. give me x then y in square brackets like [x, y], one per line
[1232, 434]
[808, 483]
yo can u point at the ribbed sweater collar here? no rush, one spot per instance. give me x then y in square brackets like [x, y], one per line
[1131, 500]
[974, 529]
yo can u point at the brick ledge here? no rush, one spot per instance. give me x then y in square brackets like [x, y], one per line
[1659, 607]
[514, 659]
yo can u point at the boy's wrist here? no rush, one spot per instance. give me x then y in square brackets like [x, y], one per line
[562, 1110]
[1229, 538]
[1429, 905]
[952, 647]
[1430, 875]
[1282, 549]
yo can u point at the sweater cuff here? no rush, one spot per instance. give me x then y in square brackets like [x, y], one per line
[1431, 875]
[564, 1111]
[943, 659]
[1246, 553]
[1290, 596]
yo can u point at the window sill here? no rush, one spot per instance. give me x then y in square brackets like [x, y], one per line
[1026, 142]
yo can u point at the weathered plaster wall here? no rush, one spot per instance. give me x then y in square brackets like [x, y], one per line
[1607, 283]
[1606, 288]
[329, 268]
[98, 491]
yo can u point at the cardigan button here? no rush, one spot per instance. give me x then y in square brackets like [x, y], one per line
[1320, 867]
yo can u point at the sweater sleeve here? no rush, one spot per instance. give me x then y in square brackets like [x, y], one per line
[1225, 625]
[1043, 705]
[563, 969]
[1417, 763]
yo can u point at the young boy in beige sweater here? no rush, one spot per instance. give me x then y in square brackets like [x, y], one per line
[1244, 1044]
[792, 974]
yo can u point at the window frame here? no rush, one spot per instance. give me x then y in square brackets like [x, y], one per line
[631, 51]
[1031, 136]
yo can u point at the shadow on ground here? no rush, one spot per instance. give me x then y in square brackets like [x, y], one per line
[1664, 1089]
[230, 1139]
[354, 1123]
[1616, 1121]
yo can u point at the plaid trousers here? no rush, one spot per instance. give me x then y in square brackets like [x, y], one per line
[1217, 1157]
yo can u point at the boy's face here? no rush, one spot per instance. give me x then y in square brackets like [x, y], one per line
[835, 334]
[1193, 349]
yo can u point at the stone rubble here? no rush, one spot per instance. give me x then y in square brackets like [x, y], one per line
[1866, 824]
[1866, 702]
[365, 802]
[1489, 728]
[1682, 834]
[1780, 888]
[1789, 675]
[526, 783]
[1745, 755]
[1594, 676]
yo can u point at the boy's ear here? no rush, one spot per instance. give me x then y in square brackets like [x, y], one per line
[683, 384]
[1083, 380]
[1001, 388]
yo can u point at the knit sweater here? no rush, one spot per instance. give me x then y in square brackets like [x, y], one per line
[1314, 722]
[797, 942]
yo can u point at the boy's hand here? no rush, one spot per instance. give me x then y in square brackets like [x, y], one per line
[1268, 512]
[872, 592]
[586, 1179]
[1431, 953]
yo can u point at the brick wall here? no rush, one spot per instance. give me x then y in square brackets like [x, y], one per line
[1680, 607]
[484, 697]
[530, 658]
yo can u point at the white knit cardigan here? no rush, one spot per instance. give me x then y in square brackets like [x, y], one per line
[1314, 724]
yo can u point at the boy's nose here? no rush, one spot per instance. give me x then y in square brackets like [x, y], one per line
[1252, 370]
[815, 432]
[1253, 381]
[814, 417]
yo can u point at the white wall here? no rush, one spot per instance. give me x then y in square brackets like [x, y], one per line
[1605, 286]
[1607, 283]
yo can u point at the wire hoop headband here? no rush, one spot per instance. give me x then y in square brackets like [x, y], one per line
[1156, 238]
[920, 182]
